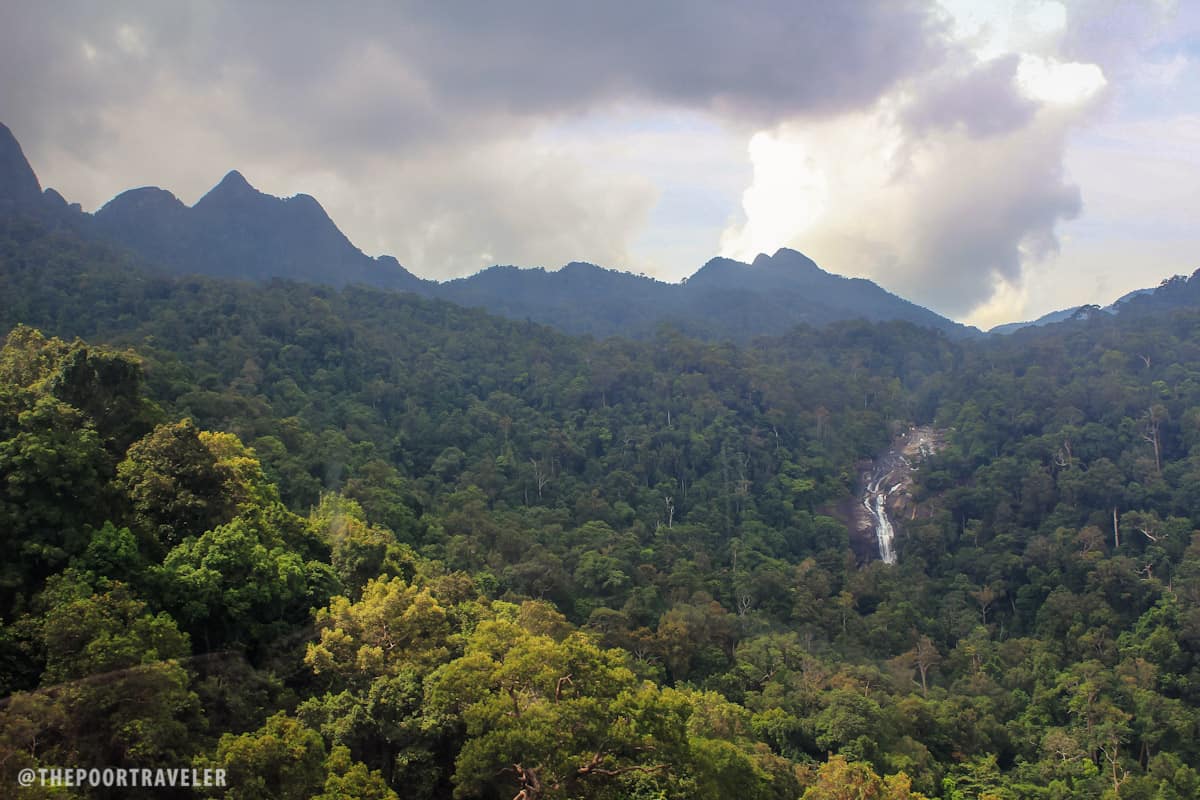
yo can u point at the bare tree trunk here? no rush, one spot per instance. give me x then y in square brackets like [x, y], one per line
[1151, 436]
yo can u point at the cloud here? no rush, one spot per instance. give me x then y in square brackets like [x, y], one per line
[949, 189]
[436, 111]
[921, 144]
[474, 211]
[939, 217]
[1116, 36]
[1140, 221]
[998, 27]
[985, 100]
[766, 61]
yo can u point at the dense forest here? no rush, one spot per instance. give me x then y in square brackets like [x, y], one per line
[353, 543]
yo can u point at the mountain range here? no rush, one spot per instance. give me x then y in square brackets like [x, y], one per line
[237, 231]
[1063, 315]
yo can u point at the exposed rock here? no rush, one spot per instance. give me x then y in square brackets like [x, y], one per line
[885, 500]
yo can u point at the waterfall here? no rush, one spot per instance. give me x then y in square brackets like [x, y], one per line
[883, 529]
[875, 502]
[891, 473]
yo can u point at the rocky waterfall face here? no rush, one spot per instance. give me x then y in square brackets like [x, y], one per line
[886, 485]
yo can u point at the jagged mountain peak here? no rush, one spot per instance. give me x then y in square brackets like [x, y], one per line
[233, 189]
[234, 194]
[18, 182]
[785, 257]
[236, 230]
[234, 181]
[55, 199]
[785, 267]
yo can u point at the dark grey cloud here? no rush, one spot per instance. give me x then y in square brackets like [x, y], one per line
[420, 126]
[984, 99]
[767, 60]
[431, 109]
[988, 221]
[382, 74]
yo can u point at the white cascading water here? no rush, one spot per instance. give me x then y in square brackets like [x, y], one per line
[875, 502]
[883, 529]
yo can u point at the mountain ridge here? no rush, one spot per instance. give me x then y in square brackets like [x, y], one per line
[235, 230]
[18, 182]
[1173, 292]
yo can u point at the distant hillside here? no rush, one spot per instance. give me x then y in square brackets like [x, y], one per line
[792, 283]
[1045, 319]
[1176, 292]
[725, 299]
[237, 231]
[579, 298]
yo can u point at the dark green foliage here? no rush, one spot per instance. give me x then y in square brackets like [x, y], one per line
[174, 485]
[66, 415]
[384, 544]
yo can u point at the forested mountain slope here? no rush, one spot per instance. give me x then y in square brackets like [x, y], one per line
[350, 543]
[237, 231]
[724, 299]
[1178, 291]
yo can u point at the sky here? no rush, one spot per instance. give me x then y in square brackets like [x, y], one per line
[990, 160]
